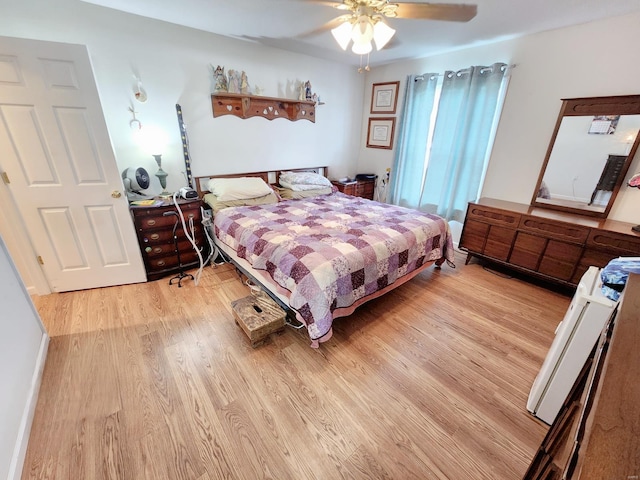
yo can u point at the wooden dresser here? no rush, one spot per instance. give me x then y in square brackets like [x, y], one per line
[596, 434]
[357, 188]
[155, 237]
[551, 245]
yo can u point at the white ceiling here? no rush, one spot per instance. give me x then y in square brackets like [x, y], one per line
[285, 23]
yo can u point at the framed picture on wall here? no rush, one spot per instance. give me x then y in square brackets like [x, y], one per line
[384, 97]
[380, 132]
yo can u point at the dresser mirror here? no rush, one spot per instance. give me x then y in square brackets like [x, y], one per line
[592, 146]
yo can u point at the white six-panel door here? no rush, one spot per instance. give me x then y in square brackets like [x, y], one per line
[58, 159]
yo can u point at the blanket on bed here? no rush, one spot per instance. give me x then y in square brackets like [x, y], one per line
[332, 250]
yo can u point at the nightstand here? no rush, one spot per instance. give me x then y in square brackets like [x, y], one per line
[357, 188]
[155, 237]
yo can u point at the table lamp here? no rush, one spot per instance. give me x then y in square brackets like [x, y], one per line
[635, 182]
[161, 174]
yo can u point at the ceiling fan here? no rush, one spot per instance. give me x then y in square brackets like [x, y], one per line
[366, 20]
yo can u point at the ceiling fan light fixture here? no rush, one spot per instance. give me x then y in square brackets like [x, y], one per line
[361, 48]
[342, 34]
[362, 31]
[382, 33]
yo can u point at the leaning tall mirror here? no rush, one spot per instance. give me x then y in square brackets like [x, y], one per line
[592, 146]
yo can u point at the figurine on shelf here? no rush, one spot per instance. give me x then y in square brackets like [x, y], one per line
[220, 79]
[258, 90]
[307, 91]
[244, 84]
[302, 94]
[234, 81]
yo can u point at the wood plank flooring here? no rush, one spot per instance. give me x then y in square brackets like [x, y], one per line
[430, 381]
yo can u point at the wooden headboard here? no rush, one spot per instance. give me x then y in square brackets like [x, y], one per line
[271, 176]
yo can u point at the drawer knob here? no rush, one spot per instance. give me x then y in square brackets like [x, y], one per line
[161, 263]
[154, 236]
[151, 222]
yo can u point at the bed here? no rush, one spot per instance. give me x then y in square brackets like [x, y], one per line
[323, 256]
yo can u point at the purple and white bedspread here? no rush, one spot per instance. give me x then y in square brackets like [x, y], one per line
[333, 250]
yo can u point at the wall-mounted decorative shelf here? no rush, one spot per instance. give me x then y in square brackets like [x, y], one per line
[246, 106]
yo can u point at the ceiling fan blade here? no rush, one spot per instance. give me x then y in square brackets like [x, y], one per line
[331, 24]
[328, 3]
[452, 12]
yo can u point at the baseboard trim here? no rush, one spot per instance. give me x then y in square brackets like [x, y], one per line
[20, 449]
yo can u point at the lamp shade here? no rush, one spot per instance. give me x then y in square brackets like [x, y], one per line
[362, 31]
[361, 48]
[382, 33]
[342, 34]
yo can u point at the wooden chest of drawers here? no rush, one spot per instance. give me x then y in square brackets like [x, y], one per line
[155, 237]
[554, 246]
[357, 188]
[595, 435]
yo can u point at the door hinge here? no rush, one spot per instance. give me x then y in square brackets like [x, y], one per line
[5, 178]
[40, 261]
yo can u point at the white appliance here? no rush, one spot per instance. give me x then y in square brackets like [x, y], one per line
[576, 335]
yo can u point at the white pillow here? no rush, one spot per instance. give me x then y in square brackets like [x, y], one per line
[238, 188]
[304, 178]
[299, 187]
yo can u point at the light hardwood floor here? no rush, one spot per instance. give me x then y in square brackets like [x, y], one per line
[429, 381]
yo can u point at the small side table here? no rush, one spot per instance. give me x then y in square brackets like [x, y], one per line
[357, 188]
[155, 236]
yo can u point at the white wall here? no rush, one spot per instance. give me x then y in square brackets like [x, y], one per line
[23, 343]
[173, 64]
[564, 63]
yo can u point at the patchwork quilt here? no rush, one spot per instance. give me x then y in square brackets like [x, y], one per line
[333, 250]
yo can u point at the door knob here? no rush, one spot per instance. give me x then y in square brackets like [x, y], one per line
[116, 194]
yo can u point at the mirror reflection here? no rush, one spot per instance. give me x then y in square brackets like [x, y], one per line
[593, 144]
[587, 160]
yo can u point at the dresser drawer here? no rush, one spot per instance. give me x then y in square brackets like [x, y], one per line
[152, 237]
[560, 259]
[474, 236]
[617, 243]
[499, 241]
[554, 229]
[168, 248]
[171, 261]
[493, 216]
[365, 189]
[527, 251]
[346, 188]
[159, 221]
[192, 206]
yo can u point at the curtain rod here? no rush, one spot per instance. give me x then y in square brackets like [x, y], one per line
[482, 70]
